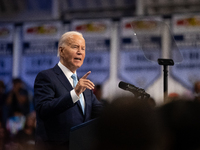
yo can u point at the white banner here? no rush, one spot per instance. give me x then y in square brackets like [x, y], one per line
[97, 34]
[6, 51]
[186, 32]
[40, 44]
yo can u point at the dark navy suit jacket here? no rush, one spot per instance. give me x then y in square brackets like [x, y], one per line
[55, 111]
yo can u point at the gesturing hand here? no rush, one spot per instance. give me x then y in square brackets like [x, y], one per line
[84, 83]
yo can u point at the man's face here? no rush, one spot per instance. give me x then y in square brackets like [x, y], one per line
[72, 54]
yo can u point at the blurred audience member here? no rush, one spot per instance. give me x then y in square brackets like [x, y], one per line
[182, 123]
[4, 137]
[2, 97]
[197, 91]
[129, 123]
[172, 97]
[25, 138]
[16, 122]
[17, 98]
[151, 102]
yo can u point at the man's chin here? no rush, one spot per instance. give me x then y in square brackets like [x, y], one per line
[78, 66]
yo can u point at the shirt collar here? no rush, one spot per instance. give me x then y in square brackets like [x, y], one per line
[65, 70]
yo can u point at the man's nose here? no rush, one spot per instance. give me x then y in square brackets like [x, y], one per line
[79, 51]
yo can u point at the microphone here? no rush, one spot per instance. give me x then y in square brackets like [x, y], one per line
[131, 88]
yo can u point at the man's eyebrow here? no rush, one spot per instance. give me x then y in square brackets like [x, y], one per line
[74, 44]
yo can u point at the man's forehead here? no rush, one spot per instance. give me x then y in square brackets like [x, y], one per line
[74, 41]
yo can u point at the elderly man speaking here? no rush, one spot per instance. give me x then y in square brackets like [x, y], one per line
[62, 100]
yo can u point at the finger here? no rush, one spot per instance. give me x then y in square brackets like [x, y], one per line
[90, 85]
[87, 81]
[86, 75]
[87, 84]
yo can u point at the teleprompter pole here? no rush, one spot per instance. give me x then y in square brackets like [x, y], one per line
[165, 63]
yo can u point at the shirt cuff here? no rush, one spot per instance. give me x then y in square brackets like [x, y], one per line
[75, 98]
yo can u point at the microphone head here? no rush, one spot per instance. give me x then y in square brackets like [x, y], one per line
[122, 85]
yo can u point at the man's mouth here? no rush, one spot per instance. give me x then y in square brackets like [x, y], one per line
[77, 58]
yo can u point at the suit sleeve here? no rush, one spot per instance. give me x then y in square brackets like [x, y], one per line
[48, 101]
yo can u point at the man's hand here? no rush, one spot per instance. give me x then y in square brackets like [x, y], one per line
[84, 83]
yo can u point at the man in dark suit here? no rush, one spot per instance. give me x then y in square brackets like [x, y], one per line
[57, 99]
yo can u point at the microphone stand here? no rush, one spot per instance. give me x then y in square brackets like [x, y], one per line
[165, 63]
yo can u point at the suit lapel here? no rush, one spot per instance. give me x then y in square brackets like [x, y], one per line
[62, 78]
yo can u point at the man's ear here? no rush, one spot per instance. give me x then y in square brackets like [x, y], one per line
[61, 50]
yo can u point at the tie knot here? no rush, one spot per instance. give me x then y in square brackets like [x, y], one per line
[73, 76]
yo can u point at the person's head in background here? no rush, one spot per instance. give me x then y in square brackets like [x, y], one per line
[71, 50]
[172, 97]
[17, 84]
[23, 96]
[129, 123]
[182, 123]
[151, 101]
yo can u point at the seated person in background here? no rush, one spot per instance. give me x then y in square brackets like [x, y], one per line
[129, 124]
[15, 122]
[17, 98]
[25, 138]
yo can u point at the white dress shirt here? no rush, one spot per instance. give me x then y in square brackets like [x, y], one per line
[68, 75]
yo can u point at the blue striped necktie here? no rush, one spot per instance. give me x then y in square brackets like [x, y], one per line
[75, 81]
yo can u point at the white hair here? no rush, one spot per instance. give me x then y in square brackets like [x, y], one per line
[65, 37]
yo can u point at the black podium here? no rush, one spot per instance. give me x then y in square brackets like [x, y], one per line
[83, 136]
